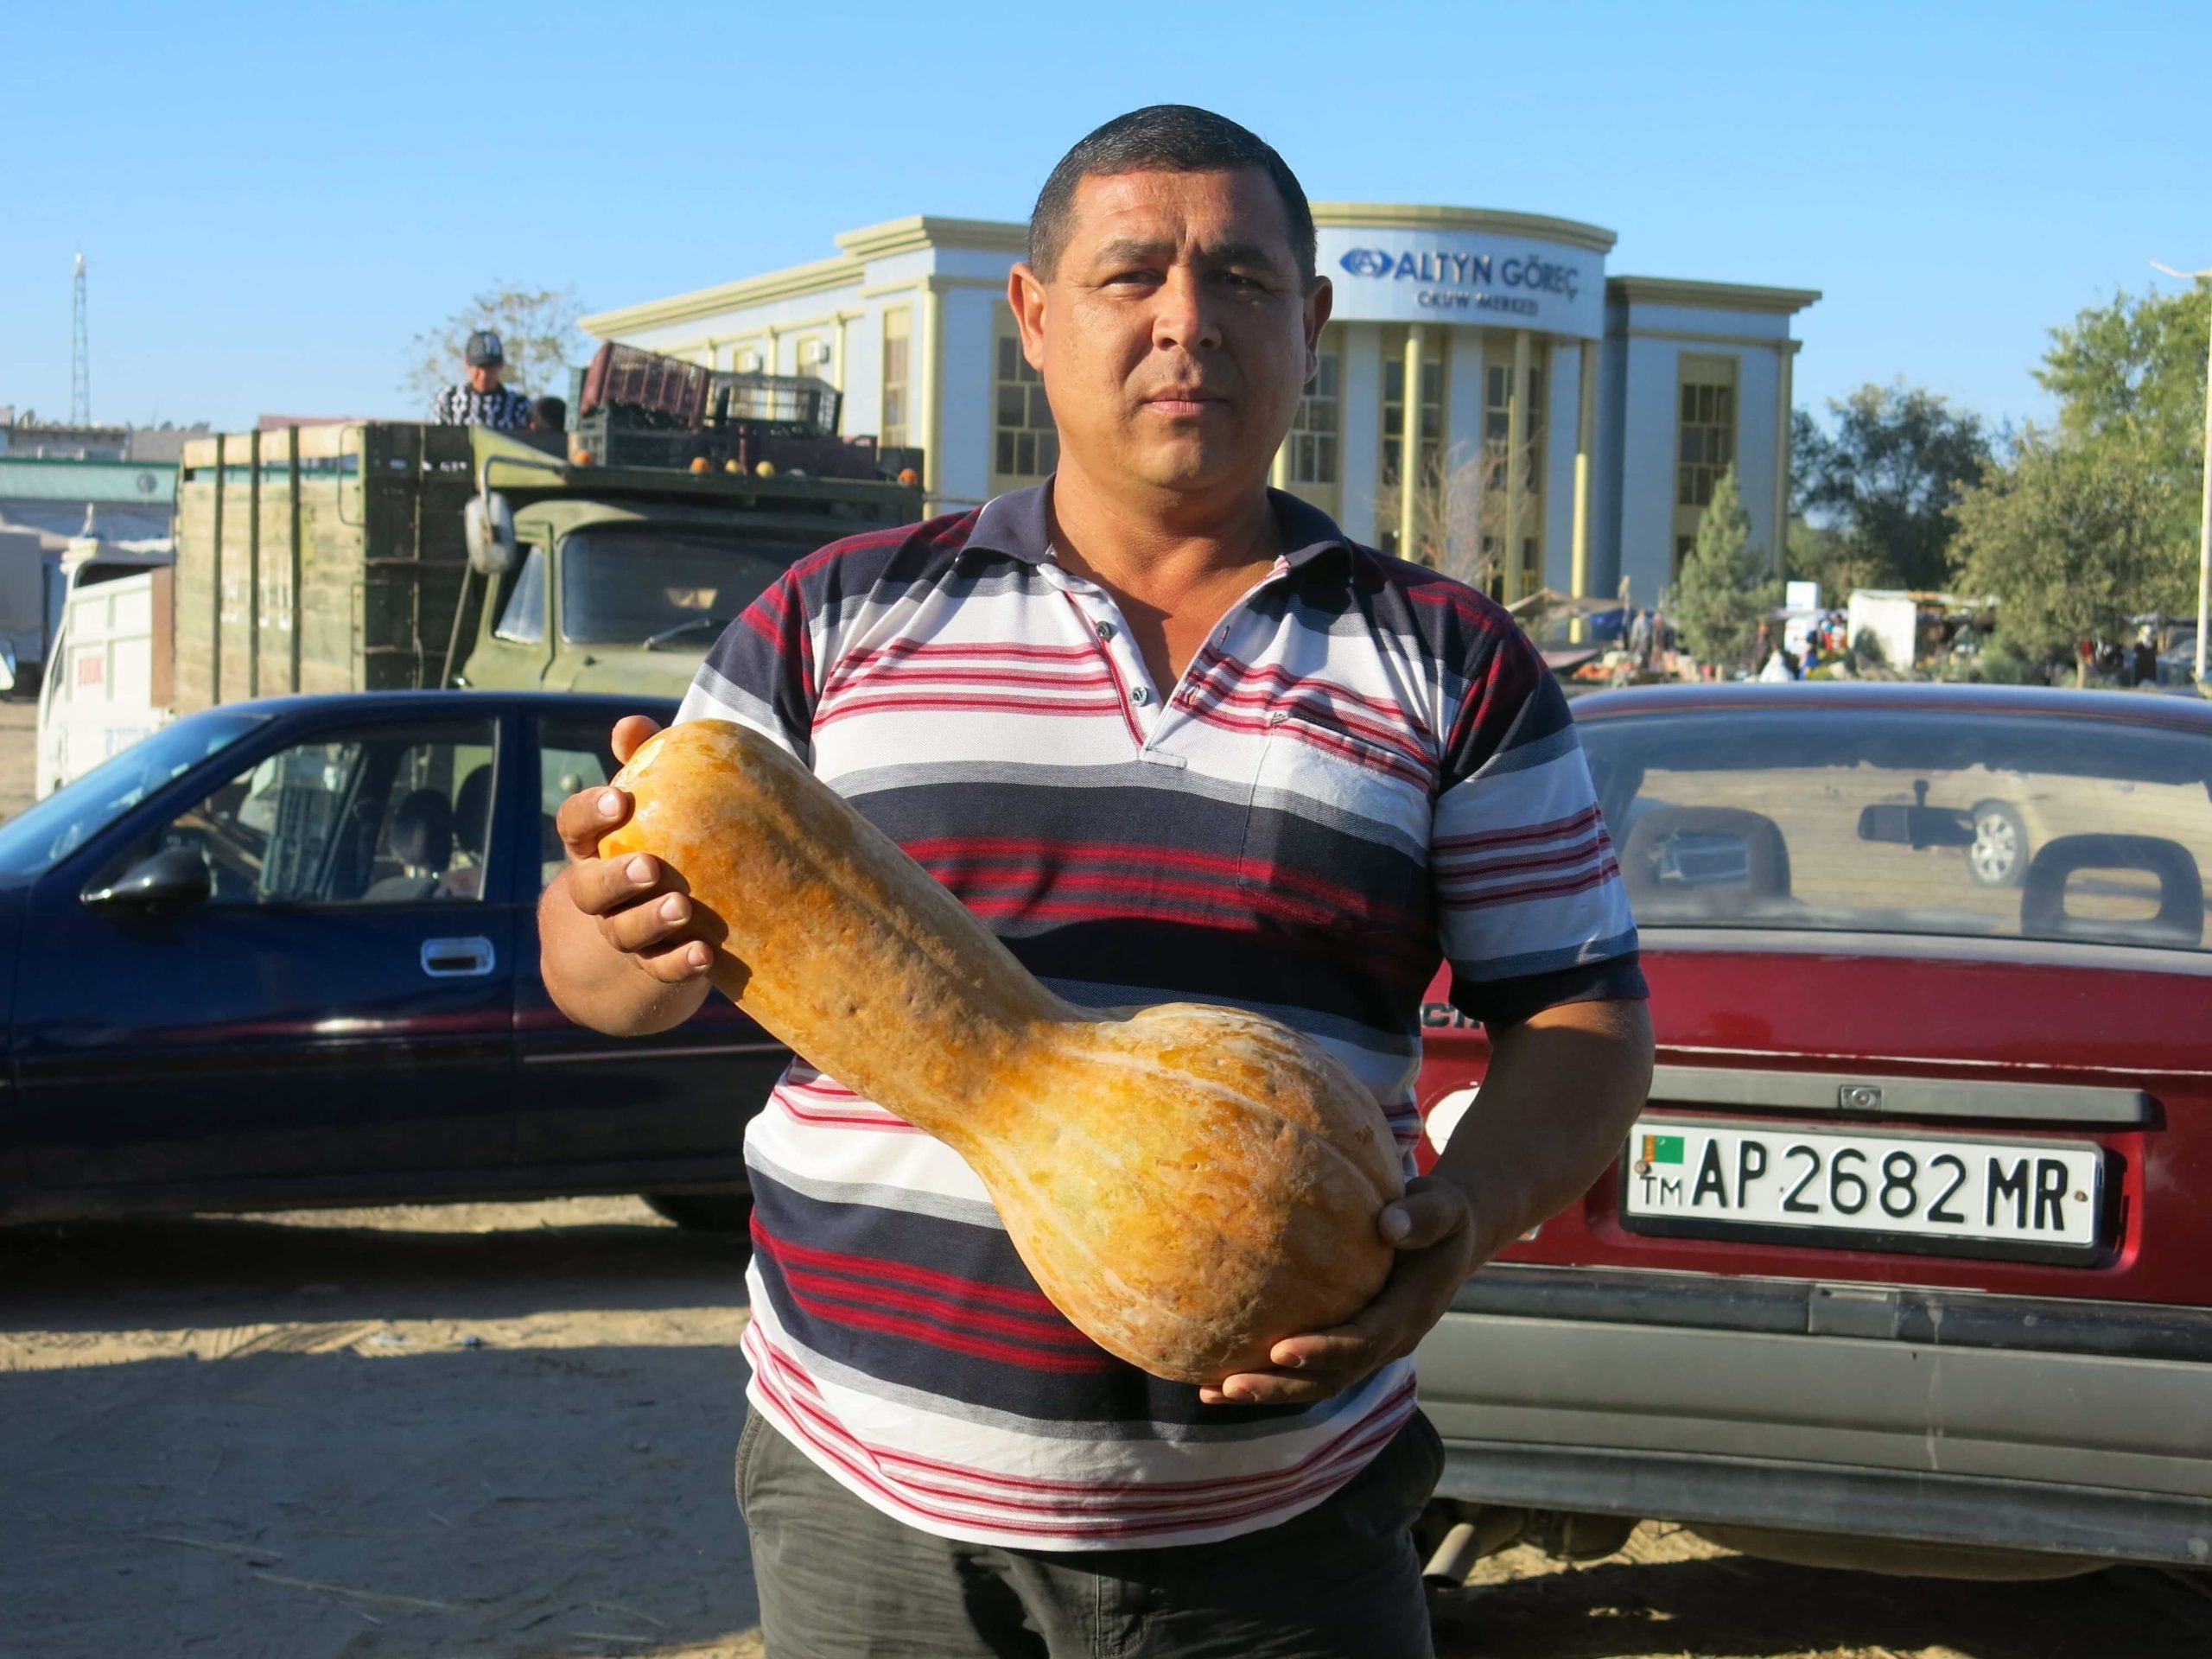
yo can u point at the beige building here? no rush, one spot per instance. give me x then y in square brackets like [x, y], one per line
[1484, 380]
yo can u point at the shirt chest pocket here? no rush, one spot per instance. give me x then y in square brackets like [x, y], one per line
[1336, 831]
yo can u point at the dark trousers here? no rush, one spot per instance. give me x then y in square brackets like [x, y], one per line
[840, 1579]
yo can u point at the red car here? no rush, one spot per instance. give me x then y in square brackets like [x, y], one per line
[1911, 1248]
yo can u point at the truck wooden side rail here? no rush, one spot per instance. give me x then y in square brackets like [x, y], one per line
[318, 559]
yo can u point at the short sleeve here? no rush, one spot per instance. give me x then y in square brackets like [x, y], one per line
[760, 672]
[1528, 896]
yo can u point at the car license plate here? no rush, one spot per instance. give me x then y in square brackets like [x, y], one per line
[1862, 1190]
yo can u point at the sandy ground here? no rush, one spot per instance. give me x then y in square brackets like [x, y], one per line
[506, 1429]
[18, 753]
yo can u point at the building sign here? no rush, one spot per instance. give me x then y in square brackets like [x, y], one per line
[1469, 277]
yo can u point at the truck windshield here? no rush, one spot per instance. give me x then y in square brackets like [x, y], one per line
[1927, 821]
[622, 585]
[41, 837]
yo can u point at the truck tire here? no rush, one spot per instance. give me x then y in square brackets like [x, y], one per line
[705, 1213]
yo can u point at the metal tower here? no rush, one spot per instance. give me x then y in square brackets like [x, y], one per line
[80, 365]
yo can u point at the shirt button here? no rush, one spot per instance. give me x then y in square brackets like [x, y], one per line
[1141, 696]
[1105, 630]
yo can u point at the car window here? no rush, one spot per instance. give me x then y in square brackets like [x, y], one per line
[622, 586]
[1912, 822]
[521, 620]
[35, 839]
[381, 813]
[573, 754]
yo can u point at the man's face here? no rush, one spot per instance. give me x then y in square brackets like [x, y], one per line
[1176, 334]
[486, 377]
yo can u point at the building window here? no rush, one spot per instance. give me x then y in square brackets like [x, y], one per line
[1393, 412]
[1708, 441]
[1025, 444]
[1498, 426]
[1705, 442]
[1313, 433]
[898, 343]
[1500, 465]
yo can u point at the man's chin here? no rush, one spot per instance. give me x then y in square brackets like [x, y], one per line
[1192, 469]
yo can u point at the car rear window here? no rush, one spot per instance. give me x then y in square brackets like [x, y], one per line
[1928, 822]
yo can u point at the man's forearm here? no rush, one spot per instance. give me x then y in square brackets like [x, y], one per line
[1559, 1094]
[596, 985]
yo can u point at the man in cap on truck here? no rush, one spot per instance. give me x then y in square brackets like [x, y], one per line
[483, 401]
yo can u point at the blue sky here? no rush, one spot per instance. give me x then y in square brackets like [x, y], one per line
[273, 199]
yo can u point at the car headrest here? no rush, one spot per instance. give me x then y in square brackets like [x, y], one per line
[2180, 918]
[421, 830]
[1703, 860]
[471, 809]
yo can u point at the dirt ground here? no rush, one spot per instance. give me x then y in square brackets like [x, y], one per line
[18, 753]
[506, 1429]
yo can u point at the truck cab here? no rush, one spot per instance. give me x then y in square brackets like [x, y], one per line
[606, 597]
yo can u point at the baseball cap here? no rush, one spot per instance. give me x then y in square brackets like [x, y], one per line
[484, 350]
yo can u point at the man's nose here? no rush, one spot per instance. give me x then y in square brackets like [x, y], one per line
[1184, 314]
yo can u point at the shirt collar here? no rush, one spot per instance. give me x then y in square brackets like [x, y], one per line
[1019, 525]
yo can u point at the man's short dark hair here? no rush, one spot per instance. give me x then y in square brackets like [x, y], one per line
[1164, 138]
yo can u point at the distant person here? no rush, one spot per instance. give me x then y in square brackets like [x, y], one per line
[548, 415]
[1639, 639]
[483, 401]
[2146, 660]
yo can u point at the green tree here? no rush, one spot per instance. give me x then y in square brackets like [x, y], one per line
[2132, 374]
[536, 326]
[1883, 483]
[1724, 587]
[2070, 539]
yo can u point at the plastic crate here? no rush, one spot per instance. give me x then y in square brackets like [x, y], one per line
[793, 405]
[652, 390]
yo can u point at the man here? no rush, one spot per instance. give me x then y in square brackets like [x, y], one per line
[1172, 737]
[483, 401]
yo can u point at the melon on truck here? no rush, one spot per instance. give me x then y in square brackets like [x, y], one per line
[385, 554]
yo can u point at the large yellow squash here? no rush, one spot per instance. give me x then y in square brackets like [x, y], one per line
[1189, 1184]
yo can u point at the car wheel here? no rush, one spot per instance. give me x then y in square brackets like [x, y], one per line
[705, 1213]
[1999, 857]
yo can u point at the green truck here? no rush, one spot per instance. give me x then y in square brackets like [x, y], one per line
[369, 555]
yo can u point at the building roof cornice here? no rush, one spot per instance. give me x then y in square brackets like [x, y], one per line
[1413, 216]
[1713, 296]
[919, 230]
[820, 276]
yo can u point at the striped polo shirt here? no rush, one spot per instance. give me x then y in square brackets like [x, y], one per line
[1365, 768]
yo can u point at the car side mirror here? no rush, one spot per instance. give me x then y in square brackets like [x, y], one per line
[175, 875]
[1917, 826]
[487, 526]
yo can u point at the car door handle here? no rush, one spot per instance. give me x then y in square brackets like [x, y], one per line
[458, 958]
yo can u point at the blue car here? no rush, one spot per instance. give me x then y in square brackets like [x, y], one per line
[284, 953]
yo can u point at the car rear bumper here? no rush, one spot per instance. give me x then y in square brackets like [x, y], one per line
[1940, 1416]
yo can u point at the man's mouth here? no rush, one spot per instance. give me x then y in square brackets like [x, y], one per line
[1185, 402]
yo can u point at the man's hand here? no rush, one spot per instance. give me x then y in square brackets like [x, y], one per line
[1559, 1092]
[622, 947]
[1433, 1230]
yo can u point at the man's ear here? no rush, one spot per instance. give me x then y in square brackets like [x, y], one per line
[1319, 302]
[1025, 292]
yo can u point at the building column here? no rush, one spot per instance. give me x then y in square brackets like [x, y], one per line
[925, 382]
[1517, 444]
[1585, 438]
[1279, 468]
[1409, 447]
[1786, 355]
